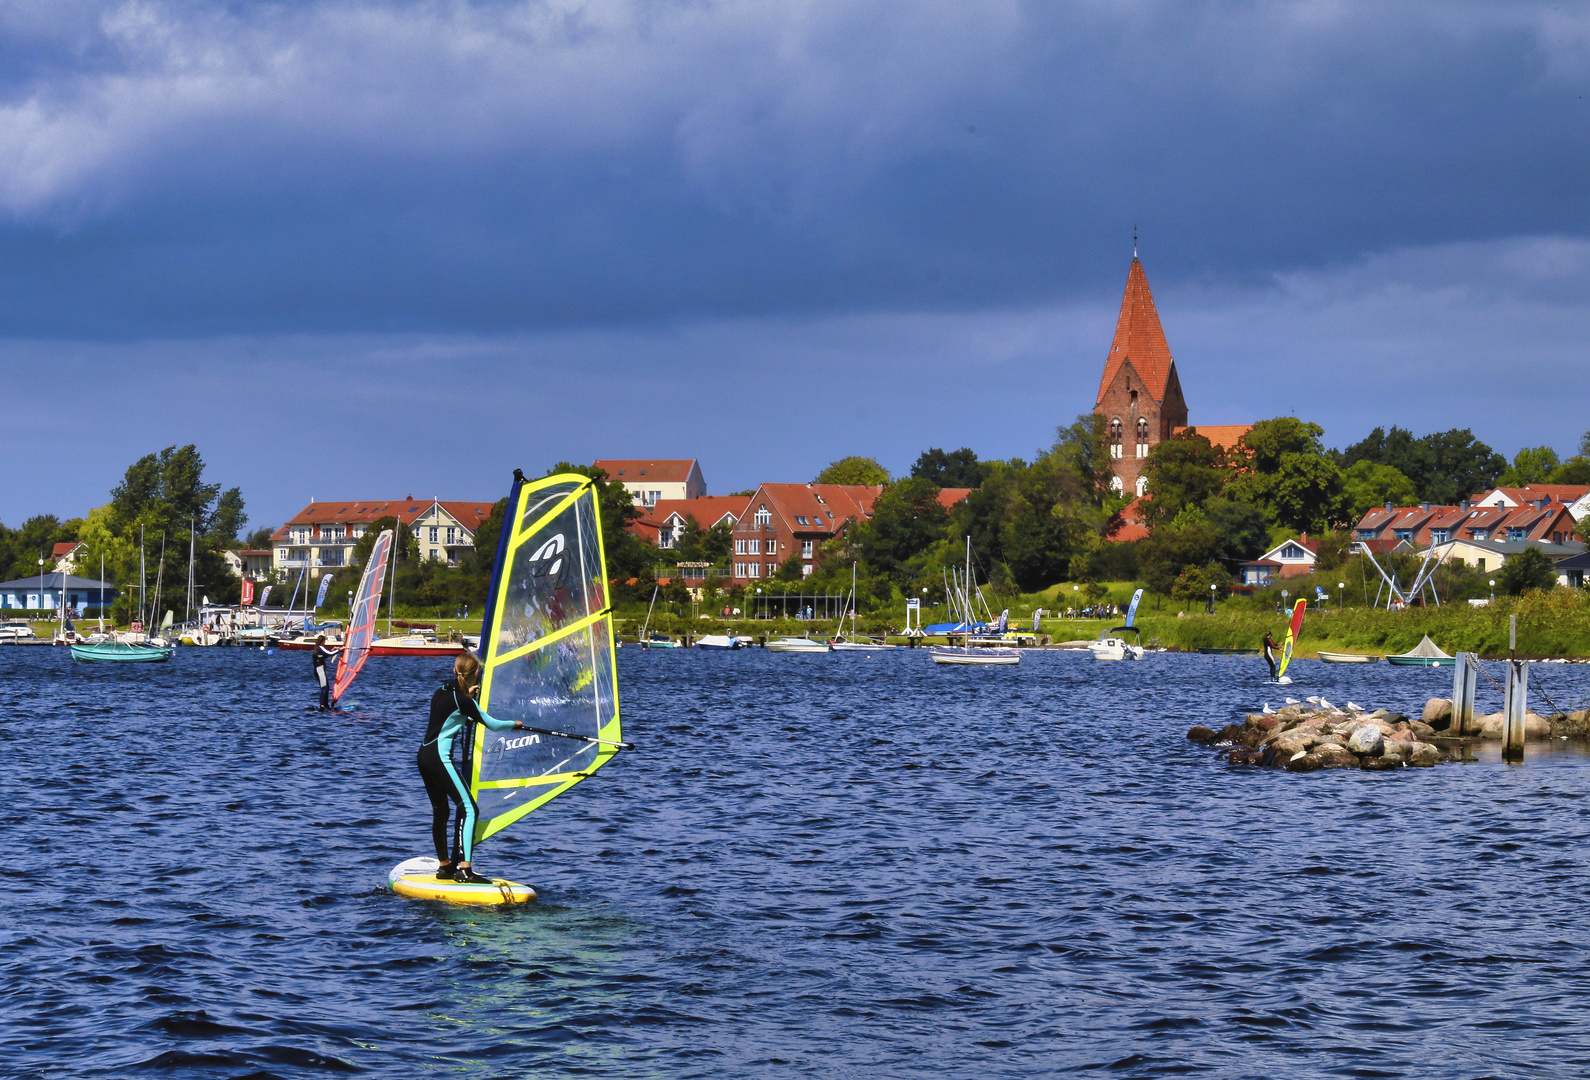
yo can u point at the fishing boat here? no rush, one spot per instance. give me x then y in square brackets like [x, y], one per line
[1424, 654]
[1112, 644]
[549, 666]
[1346, 658]
[966, 654]
[799, 644]
[122, 652]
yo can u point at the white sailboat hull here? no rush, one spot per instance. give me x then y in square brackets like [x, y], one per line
[976, 656]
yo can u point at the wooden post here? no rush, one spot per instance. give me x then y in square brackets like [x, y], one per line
[1465, 677]
[1515, 702]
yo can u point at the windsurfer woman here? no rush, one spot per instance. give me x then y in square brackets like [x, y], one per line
[322, 654]
[1269, 653]
[452, 707]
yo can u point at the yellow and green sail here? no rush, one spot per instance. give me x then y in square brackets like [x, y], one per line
[548, 651]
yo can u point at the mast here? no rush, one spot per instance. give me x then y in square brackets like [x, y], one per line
[143, 575]
[102, 591]
[966, 639]
[187, 605]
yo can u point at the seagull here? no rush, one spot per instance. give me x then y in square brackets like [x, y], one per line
[1312, 700]
[1293, 701]
[1353, 706]
[1326, 705]
[1267, 710]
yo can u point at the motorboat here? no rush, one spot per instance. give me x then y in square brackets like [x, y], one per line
[799, 644]
[1346, 658]
[413, 645]
[722, 641]
[1113, 646]
[660, 641]
[861, 644]
[16, 632]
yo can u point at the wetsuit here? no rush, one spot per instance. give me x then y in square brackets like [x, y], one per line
[451, 709]
[322, 654]
[1269, 655]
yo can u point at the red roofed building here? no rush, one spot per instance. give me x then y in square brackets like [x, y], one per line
[663, 520]
[653, 481]
[322, 534]
[64, 557]
[949, 497]
[794, 519]
[1140, 394]
[1421, 526]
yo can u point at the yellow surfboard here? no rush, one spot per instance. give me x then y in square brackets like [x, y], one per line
[417, 878]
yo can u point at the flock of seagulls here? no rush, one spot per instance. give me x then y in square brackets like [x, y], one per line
[1318, 703]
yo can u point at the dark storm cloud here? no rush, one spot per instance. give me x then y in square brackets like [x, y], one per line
[192, 169]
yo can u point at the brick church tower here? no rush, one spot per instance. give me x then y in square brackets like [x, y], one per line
[1140, 395]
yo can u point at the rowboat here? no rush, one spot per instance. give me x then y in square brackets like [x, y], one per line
[1346, 658]
[121, 652]
[798, 644]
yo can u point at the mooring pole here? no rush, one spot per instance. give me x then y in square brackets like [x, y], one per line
[1465, 678]
[1514, 705]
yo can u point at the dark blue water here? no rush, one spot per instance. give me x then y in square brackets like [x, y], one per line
[825, 866]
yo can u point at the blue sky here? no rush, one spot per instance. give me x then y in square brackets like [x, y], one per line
[365, 249]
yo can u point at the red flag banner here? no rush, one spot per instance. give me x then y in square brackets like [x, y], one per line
[248, 593]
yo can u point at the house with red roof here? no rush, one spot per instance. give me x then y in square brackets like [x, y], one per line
[1289, 558]
[663, 521]
[321, 536]
[1576, 497]
[1140, 395]
[782, 520]
[653, 481]
[1482, 536]
[64, 557]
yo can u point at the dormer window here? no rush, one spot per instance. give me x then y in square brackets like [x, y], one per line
[763, 517]
[1515, 535]
[800, 520]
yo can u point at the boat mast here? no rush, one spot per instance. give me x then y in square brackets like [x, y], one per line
[966, 639]
[143, 576]
[187, 607]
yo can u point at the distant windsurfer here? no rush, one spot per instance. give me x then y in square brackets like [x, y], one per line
[452, 709]
[1269, 653]
[321, 655]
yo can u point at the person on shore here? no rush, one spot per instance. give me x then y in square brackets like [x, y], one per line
[321, 655]
[1269, 653]
[453, 709]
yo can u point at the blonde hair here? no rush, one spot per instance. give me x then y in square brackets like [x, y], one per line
[466, 669]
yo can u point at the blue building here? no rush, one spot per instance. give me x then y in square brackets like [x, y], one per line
[44, 593]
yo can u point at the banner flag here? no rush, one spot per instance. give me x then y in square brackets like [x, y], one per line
[264, 596]
[248, 593]
[325, 583]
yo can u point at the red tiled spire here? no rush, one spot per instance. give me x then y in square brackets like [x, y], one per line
[1139, 338]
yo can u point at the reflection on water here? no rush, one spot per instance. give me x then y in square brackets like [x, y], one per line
[826, 865]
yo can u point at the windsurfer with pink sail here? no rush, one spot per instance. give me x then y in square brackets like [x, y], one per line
[361, 620]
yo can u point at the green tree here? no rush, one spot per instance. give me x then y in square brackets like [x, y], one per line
[789, 570]
[1527, 571]
[228, 518]
[1243, 528]
[407, 545]
[853, 470]
[1195, 584]
[260, 539]
[906, 520]
[1369, 484]
[1576, 470]
[1083, 447]
[1186, 541]
[1283, 470]
[954, 469]
[1445, 467]
[1186, 470]
[1531, 465]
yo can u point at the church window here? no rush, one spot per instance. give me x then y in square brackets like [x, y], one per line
[1116, 485]
[1142, 486]
[1115, 437]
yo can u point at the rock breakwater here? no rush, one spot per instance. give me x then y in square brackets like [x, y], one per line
[1303, 738]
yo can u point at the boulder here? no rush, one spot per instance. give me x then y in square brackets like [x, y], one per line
[1379, 764]
[1199, 733]
[1334, 756]
[1424, 755]
[1403, 736]
[1303, 763]
[1438, 712]
[1535, 726]
[1291, 743]
[1229, 734]
[1367, 740]
[1269, 723]
[1238, 756]
[1421, 731]
[1250, 738]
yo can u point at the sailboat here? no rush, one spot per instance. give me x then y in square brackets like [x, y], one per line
[854, 642]
[361, 619]
[550, 663]
[966, 654]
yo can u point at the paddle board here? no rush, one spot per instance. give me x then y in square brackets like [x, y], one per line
[417, 878]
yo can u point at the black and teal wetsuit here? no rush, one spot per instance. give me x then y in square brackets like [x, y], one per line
[451, 709]
[323, 654]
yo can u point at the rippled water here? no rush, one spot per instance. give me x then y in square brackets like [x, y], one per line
[830, 866]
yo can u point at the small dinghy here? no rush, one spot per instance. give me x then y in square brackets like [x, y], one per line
[1424, 654]
[1346, 658]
